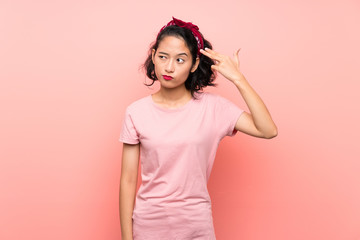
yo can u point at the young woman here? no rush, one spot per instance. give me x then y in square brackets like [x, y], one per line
[175, 133]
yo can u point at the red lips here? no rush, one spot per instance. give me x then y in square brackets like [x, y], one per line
[167, 77]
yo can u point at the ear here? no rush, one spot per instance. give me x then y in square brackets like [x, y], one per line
[196, 64]
[153, 55]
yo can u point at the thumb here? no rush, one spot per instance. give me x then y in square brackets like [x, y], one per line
[214, 67]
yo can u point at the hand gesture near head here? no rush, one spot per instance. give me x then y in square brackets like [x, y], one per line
[258, 122]
[227, 66]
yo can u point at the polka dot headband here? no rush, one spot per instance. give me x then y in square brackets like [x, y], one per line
[194, 29]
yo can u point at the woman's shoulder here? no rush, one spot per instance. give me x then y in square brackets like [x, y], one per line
[215, 99]
[209, 96]
[139, 104]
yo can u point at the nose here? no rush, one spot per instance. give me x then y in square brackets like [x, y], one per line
[170, 66]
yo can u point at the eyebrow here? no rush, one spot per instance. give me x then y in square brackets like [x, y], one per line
[164, 53]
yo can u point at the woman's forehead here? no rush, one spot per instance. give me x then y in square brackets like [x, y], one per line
[174, 45]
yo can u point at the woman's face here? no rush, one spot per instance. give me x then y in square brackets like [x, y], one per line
[173, 62]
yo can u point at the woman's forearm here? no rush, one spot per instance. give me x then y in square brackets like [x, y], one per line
[259, 112]
[230, 69]
[127, 201]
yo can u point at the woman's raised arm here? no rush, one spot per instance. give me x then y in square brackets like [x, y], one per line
[258, 122]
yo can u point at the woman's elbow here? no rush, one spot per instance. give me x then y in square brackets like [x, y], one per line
[271, 134]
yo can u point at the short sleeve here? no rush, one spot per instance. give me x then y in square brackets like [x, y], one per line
[128, 132]
[227, 114]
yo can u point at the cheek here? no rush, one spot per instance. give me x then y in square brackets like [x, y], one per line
[157, 66]
[157, 70]
[185, 70]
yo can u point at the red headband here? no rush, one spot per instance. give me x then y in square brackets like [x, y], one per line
[194, 29]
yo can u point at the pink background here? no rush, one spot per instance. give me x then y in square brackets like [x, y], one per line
[69, 69]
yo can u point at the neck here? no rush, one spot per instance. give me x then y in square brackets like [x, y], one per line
[173, 95]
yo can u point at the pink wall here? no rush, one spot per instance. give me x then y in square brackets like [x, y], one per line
[69, 69]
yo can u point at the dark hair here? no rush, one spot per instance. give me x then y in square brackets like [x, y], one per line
[203, 76]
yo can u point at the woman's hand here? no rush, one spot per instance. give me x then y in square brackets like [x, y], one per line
[228, 67]
[258, 122]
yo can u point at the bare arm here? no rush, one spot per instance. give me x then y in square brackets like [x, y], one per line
[128, 183]
[258, 122]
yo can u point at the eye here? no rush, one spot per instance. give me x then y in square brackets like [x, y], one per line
[162, 57]
[180, 60]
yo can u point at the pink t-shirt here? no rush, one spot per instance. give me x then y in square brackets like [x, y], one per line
[177, 152]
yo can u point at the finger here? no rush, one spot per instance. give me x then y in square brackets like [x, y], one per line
[237, 57]
[211, 50]
[214, 67]
[211, 54]
[215, 53]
